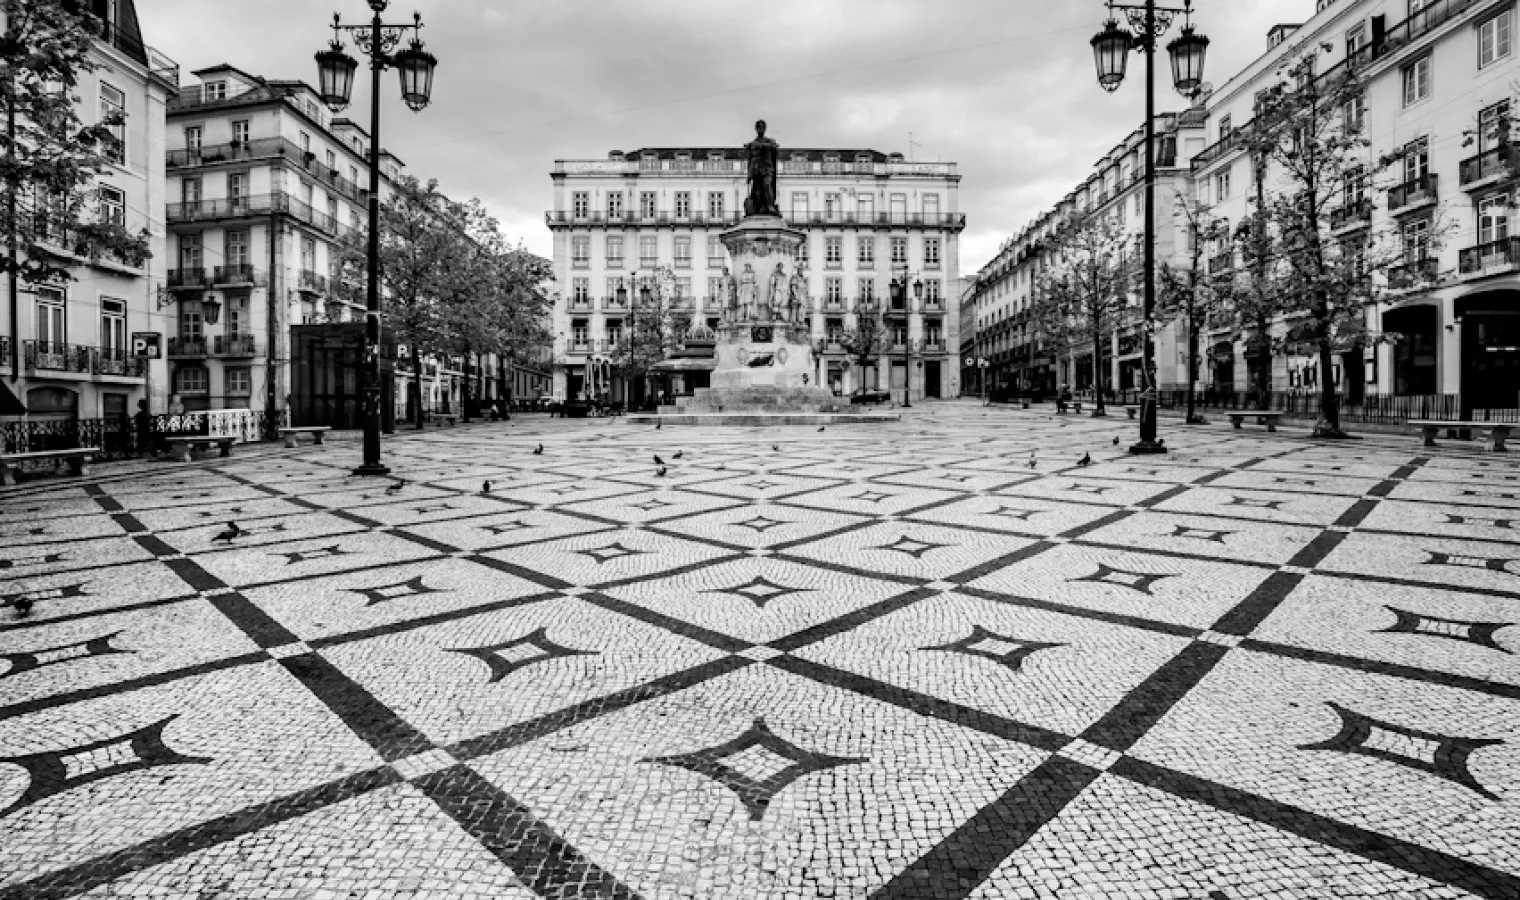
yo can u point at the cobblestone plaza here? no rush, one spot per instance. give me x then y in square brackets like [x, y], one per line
[935, 659]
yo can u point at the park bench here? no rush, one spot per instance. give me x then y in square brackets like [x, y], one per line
[317, 432]
[1498, 432]
[1132, 411]
[1267, 417]
[439, 418]
[1074, 405]
[183, 446]
[78, 459]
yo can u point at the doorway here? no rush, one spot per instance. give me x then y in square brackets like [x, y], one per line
[931, 379]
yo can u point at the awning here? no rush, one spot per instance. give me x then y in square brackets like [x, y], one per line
[685, 364]
[9, 405]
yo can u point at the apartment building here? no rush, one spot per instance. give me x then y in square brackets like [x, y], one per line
[68, 356]
[1006, 332]
[1438, 81]
[869, 218]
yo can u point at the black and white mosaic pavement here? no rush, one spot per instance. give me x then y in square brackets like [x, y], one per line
[935, 659]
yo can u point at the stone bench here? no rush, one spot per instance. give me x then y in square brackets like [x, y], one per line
[78, 458]
[182, 447]
[1265, 417]
[317, 432]
[1498, 432]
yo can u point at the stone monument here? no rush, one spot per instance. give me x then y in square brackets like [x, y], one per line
[766, 371]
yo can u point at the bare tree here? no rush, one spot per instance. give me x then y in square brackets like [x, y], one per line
[652, 331]
[869, 339]
[1083, 294]
[1188, 295]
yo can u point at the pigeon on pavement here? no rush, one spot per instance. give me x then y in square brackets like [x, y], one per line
[1086, 460]
[232, 531]
[395, 487]
[660, 471]
[821, 427]
[678, 454]
[658, 461]
[538, 450]
[23, 605]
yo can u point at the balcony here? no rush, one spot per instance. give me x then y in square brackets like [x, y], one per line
[309, 282]
[241, 274]
[234, 345]
[115, 362]
[262, 149]
[1222, 262]
[1492, 258]
[933, 345]
[614, 304]
[187, 279]
[579, 304]
[1351, 216]
[580, 347]
[248, 205]
[1412, 195]
[1490, 168]
[1412, 275]
[187, 348]
[51, 356]
[5, 352]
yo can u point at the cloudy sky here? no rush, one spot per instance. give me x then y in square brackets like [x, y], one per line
[1004, 88]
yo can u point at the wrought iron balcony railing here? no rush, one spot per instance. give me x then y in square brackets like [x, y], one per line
[1412, 274]
[1492, 165]
[237, 345]
[189, 279]
[187, 348]
[237, 273]
[53, 356]
[1413, 194]
[1494, 254]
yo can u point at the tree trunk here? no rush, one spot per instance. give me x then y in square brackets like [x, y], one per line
[1098, 408]
[1329, 424]
[464, 388]
[1192, 368]
[415, 388]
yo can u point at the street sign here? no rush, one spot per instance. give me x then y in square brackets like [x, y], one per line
[147, 345]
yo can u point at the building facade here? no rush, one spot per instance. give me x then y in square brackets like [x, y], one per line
[69, 354]
[869, 218]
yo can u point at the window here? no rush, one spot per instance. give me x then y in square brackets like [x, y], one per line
[1224, 127]
[193, 140]
[580, 333]
[648, 250]
[353, 175]
[580, 291]
[113, 110]
[899, 251]
[614, 330]
[332, 162]
[715, 206]
[613, 283]
[1493, 218]
[190, 327]
[647, 204]
[237, 188]
[1356, 38]
[580, 204]
[1354, 189]
[237, 315]
[191, 380]
[615, 206]
[899, 207]
[1494, 38]
[113, 206]
[931, 253]
[239, 381]
[683, 287]
[683, 204]
[683, 253]
[214, 90]
[237, 248]
[308, 254]
[931, 207]
[865, 289]
[833, 252]
[1222, 186]
[866, 205]
[833, 290]
[240, 131]
[802, 253]
[614, 252]
[113, 327]
[715, 287]
[715, 253]
[190, 251]
[1353, 111]
[865, 252]
[51, 319]
[831, 206]
[931, 290]
[1416, 235]
[580, 251]
[1416, 81]
[799, 205]
[1416, 159]
[1493, 126]
[305, 143]
[332, 208]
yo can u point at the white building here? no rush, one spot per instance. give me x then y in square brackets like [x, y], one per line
[870, 217]
[72, 337]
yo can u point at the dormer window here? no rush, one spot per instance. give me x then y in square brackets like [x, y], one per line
[214, 90]
[714, 156]
[864, 158]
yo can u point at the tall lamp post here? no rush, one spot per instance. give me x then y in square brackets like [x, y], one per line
[900, 293]
[335, 80]
[1111, 48]
[981, 365]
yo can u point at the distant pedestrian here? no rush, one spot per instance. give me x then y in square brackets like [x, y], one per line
[144, 425]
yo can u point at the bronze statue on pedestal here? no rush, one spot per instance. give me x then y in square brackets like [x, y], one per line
[763, 156]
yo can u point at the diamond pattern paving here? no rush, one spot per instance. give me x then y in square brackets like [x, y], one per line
[896, 662]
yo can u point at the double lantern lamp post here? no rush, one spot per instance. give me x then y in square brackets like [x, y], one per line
[335, 80]
[900, 296]
[1111, 48]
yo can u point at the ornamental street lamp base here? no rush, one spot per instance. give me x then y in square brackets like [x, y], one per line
[374, 470]
[1144, 448]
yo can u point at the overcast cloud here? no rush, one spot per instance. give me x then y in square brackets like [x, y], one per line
[1005, 88]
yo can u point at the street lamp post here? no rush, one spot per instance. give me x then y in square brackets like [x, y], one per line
[900, 292]
[1111, 48]
[981, 365]
[335, 81]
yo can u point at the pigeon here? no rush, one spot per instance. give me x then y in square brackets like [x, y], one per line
[660, 471]
[23, 605]
[658, 425]
[721, 468]
[1116, 440]
[1086, 460]
[678, 454]
[1032, 464]
[227, 536]
[776, 448]
[395, 487]
[538, 450]
[658, 461]
[485, 487]
[821, 427]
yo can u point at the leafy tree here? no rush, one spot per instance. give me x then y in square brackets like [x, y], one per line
[1186, 293]
[1083, 294]
[53, 217]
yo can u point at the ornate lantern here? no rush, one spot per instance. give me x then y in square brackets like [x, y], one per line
[416, 66]
[1187, 53]
[1111, 48]
[335, 76]
[211, 309]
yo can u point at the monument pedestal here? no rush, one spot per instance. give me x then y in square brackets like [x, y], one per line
[766, 372]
